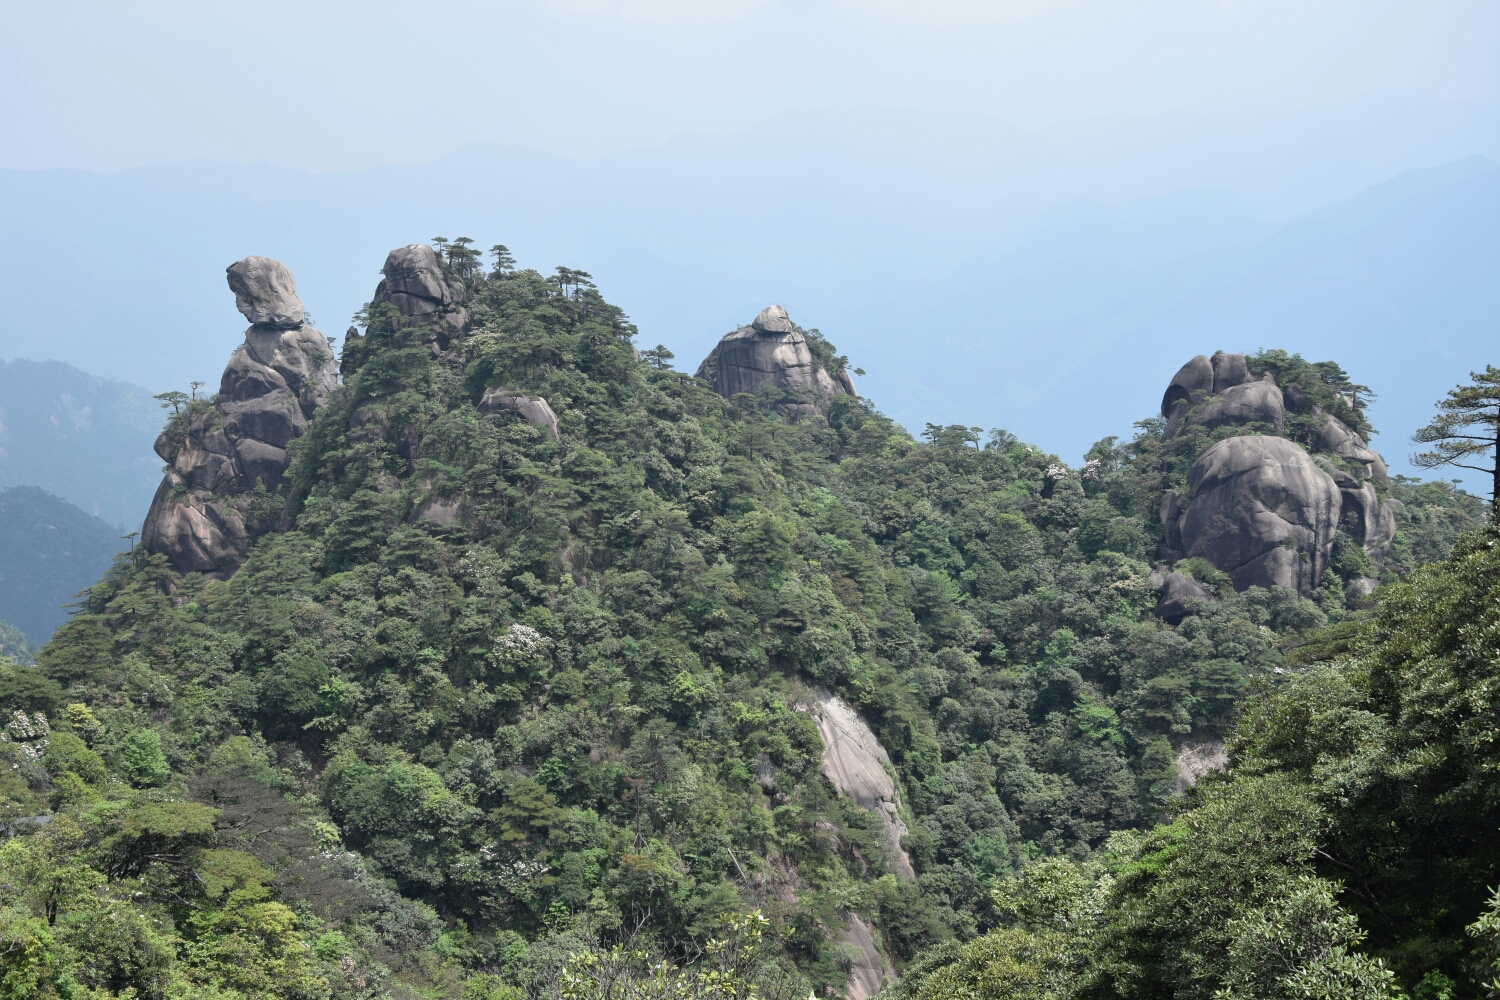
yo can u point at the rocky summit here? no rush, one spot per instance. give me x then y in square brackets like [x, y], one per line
[509, 663]
[773, 351]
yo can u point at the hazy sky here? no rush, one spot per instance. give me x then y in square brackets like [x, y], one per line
[327, 84]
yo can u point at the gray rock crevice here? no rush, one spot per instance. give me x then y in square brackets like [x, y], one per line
[206, 513]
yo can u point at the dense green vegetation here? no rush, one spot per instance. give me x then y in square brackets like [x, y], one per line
[1349, 852]
[409, 754]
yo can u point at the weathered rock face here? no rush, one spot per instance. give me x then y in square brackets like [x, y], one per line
[1230, 370]
[858, 766]
[265, 292]
[1335, 435]
[1196, 758]
[771, 349]
[1262, 511]
[1244, 403]
[416, 284]
[1191, 384]
[867, 970]
[532, 409]
[1259, 510]
[205, 514]
[1219, 391]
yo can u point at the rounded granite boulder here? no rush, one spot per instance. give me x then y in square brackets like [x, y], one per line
[1262, 511]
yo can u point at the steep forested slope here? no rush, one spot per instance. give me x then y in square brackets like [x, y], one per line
[1350, 850]
[493, 698]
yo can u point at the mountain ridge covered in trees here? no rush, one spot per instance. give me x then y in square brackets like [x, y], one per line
[555, 739]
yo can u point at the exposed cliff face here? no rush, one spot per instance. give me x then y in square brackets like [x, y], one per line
[859, 767]
[1259, 506]
[772, 349]
[206, 511]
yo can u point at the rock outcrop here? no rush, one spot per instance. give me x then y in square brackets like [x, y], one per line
[1218, 391]
[532, 409]
[858, 766]
[1262, 511]
[415, 282]
[225, 461]
[771, 349]
[1176, 594]
[1246, 403]
[1196, 758]
[867, 970]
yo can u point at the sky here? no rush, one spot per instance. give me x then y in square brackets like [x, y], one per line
[998, 209]
[337, 84]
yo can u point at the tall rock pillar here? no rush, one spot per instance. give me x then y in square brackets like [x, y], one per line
[226, 459]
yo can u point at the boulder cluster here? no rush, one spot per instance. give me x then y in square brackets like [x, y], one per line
[225, 460]
[772, 349]
[1259, 506]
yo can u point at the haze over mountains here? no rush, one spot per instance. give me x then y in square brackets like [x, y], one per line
[982, 274]
[79, 437]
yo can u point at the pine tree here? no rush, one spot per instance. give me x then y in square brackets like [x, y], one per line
[1466, 429]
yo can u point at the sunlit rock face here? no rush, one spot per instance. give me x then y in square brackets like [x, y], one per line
[226, 461]
[771, 349]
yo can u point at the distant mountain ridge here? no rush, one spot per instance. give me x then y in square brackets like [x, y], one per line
[984, 273]
[49, 552]
[84, 438]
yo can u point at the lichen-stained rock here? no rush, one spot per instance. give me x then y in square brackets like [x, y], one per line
[771, 349]
[1245, 403]
[858, 766]
[532, 409]
[1262, 511]
[226, 461]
